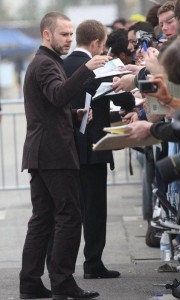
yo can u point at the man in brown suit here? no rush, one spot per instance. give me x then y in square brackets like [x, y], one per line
[50, 156]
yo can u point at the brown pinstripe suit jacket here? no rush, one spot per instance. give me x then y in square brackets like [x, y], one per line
[49, 142]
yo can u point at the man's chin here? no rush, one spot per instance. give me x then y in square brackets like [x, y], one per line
[66, 50]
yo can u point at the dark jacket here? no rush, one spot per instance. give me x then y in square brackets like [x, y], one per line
[168, 132]
[49, 142]
[101, 118]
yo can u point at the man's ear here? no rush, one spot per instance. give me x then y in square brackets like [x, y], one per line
[94, 43]
[93, 46]
[46, 34]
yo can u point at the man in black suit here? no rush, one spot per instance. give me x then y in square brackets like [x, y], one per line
[91, 37]
[50, 156]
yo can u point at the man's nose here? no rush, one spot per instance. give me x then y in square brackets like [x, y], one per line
[70, 38]
[164, 27]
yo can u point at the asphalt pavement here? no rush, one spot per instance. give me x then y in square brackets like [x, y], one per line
[125, 249]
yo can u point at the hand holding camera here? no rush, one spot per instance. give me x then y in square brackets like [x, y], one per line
[156, 87]
[146, 86]
[144, 39]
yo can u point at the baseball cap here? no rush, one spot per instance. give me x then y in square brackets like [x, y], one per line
[137, 18]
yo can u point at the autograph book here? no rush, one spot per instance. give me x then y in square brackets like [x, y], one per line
[118, 138]
[112, 68]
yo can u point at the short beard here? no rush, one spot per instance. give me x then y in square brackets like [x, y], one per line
[57, 50]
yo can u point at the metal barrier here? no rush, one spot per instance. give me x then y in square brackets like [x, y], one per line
[12, 135]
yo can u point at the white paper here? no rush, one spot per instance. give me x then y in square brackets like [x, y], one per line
[111, 68]
[111, 73]
[85, 116]
[104, 86]
[139, 101]
[114, 107]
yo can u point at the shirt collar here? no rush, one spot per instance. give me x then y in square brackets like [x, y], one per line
[83, 50]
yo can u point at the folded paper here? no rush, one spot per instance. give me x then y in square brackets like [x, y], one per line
[121, 141]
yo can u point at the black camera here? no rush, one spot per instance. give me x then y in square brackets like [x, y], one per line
[144, 37]
[145, 86]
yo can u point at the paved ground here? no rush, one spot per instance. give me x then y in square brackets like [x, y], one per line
[125, 249]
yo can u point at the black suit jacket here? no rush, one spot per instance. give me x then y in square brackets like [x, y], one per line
[101, 117]
[49, 142]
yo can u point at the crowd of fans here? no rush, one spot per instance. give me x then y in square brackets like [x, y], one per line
[153, 47]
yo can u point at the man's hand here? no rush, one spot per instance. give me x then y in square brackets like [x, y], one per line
[97, 61]
[133, 68]
[140, 130]
[125, 83]
[82, 111]
[162, 92]
[151, 61]
[130, 117]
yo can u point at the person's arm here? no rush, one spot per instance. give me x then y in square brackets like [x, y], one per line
[142, 114]
[165, 132]
[163, 93]
[137, 114]
[133, 68]
[58, 91]
[151, 61]
[142, 75]
[141, 130]
[125, 83]
[130, 81]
